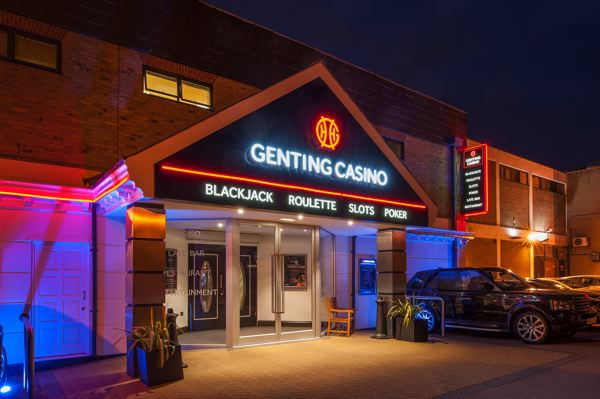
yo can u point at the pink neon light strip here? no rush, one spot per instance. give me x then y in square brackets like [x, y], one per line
[36, 193]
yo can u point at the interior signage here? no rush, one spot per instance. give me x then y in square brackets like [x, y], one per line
[367, 276]
[303, 152]
[474, 178]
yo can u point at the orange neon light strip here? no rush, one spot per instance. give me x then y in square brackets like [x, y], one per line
[71, 199]
[290, 186]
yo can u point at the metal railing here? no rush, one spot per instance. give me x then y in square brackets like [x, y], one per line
[442, 312]
[28, 363]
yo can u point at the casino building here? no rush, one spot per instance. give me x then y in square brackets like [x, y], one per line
[156, 158]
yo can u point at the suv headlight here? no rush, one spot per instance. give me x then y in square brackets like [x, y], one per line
[561, 304]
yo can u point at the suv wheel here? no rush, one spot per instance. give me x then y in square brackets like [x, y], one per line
[428, 314]
[531, 327]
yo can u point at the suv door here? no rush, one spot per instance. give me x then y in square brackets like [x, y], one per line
[445, 284]
[481, 301]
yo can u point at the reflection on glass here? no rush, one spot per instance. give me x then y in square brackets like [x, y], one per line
[206, 286]
[242, 288]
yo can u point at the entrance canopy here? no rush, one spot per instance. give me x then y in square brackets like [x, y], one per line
[300, 146]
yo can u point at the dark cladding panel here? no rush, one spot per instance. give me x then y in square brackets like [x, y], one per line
[302, 153]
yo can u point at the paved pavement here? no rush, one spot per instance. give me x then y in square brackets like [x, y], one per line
[461, 365]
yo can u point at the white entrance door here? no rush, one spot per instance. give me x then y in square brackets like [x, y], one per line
[61, 310]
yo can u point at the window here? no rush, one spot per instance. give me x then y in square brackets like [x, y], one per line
[176, 88]
[444, 281]
[472, 280]
[514, 175]
[419, 280]
[196, 94]
[161, 85]
[505, 279]
[3, 43]
[397, 147]
[36, 52]
[548, 185]
[28, 49]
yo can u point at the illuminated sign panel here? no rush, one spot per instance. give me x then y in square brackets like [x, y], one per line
[301, 153]
[475, 181]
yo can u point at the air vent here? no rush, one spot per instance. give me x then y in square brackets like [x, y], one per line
[580, 242]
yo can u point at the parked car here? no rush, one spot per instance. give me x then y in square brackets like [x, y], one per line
[496, 299]
[563, 283]
[584, 281]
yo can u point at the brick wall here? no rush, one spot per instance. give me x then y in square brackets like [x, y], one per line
[583, 191]
[514, 203]
[94, 112]
[480, 252]
[549, 211]
[430, 163]
[206, 38]
[515, 256]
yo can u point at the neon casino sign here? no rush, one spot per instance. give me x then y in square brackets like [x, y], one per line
[317, 165]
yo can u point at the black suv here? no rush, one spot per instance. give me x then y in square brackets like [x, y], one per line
[495, 299]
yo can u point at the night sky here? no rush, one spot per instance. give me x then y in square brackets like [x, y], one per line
[526, 72]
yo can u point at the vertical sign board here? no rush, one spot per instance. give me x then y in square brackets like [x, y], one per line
[171, 271]
[367, 273]
[474, 177]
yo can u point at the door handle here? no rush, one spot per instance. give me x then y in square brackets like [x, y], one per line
[282, 292]
[273, 282]
[83, 299]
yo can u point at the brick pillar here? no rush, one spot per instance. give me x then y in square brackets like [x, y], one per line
[145, 281]
[391, 266]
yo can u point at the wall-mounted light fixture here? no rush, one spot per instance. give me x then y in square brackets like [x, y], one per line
[513, 232]
[537, 236]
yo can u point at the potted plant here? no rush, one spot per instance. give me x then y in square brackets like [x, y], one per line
[408, 326]
[158, 358]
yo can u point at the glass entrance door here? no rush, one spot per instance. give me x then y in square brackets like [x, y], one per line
[277, 283]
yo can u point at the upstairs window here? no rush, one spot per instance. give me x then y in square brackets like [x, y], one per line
[161, 85]
[548, 185]
[176, 88]
[396, 146]
[30, 50]
[36, 52]
[3, 43]
[514, 175]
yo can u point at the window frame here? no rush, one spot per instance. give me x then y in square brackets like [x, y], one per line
[435, 277]
[549, 185]
[179, 79]
[10, 48]
[517, 174]
[160, 93]
[402, 155]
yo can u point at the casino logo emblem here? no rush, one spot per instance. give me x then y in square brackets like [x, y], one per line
[473, 153]
[327, 133]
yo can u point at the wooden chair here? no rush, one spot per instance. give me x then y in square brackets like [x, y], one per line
[337, 316]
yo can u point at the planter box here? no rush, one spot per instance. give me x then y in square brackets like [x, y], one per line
[415, 331]
[151, 374]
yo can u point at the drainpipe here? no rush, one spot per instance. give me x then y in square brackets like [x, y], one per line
[353, 272]
[94, 280]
